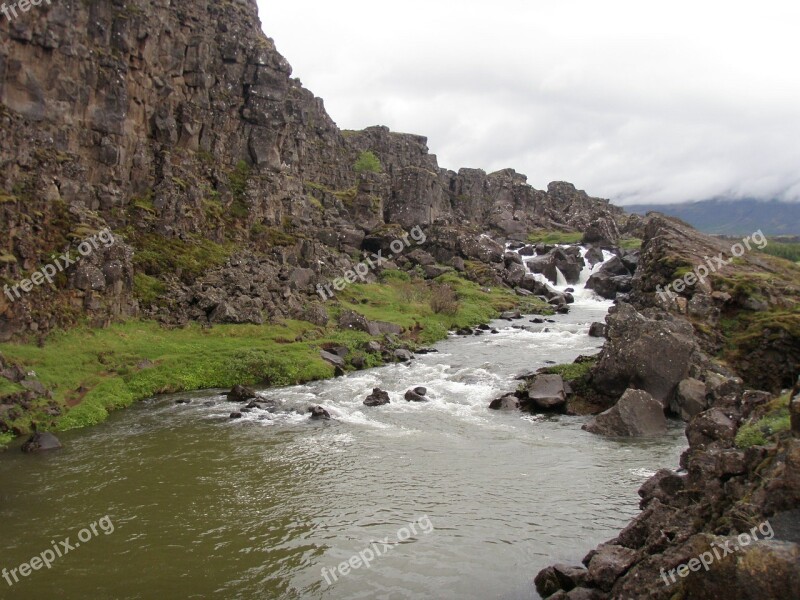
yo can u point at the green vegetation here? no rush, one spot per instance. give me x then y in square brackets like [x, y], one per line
[367, 162]
[630, 243]
[788, 250]
[764, 429]
[237, 180]
[555, 237]
[95, 371]
[572, 371]
[156, 255]
[147, 289]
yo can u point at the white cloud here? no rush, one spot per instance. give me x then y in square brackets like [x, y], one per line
[626, 99]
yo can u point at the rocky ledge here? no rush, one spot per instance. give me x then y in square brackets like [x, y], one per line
[720, 355]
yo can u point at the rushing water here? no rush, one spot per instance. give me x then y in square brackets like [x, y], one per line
[207, 507]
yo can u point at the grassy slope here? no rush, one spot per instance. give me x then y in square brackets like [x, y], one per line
[93, 371]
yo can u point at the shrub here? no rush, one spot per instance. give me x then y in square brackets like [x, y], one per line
[368, 163]
[444, 300]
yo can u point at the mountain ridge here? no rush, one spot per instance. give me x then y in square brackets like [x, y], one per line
[732, 217]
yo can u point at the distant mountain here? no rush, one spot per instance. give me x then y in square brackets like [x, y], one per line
[733, 217]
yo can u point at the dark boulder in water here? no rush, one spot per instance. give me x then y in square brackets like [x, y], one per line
[378, 397]
[41, 442]
[317, 412]
[241, 393]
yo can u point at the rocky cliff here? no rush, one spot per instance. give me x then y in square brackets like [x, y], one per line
[229, 188]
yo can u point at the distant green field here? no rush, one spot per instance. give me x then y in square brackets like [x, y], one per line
[788, 250]
[555, 237]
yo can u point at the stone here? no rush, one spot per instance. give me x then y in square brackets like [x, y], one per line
[690, 399]
[319, 413]
[403, 355]
[608, 563]
[241, 393]
[41, 441]
[508, 402]
[378, 397]
[559, 577]
[597, 330]
[547, 393]
[334, 359]
[709, 427]
[413, 396]
[636, 414]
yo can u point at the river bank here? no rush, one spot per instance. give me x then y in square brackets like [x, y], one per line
[86, 373]
[273, 498]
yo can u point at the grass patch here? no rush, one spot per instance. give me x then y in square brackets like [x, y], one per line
[147, 289]
[788, 250]
[555, 237]
[571, 371]
[764, 430]
[156, 255]
[95, 371]
[630, 243]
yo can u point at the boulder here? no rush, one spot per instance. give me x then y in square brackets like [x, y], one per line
[317, 412]
[508, 402]
[608, 562]
[41, 441]
[636, 414]
[403, 355]
[557, 259]
[547, 393]
[651, 353]
[559, 577]
[421, 391]
[414, 396]
[761, 569]
[236, 415]
[241, 393]
[711, 427]
[689, 399]
[597, 330]
[609, 286]
[378, 397]
[334, 359]
[263, 404]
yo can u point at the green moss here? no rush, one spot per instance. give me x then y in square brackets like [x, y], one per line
[555, 237]
[764, 430]
[148, 289]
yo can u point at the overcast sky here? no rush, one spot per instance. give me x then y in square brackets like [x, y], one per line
[628, 100]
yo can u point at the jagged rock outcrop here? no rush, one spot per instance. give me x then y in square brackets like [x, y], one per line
[230, 190]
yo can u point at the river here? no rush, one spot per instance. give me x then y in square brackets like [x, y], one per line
[207, 507]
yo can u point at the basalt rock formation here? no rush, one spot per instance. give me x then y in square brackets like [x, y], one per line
[230, 190]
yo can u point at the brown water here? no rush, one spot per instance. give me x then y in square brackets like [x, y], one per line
[205, 507]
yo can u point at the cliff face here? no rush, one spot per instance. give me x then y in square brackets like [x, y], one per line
[180, 128]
